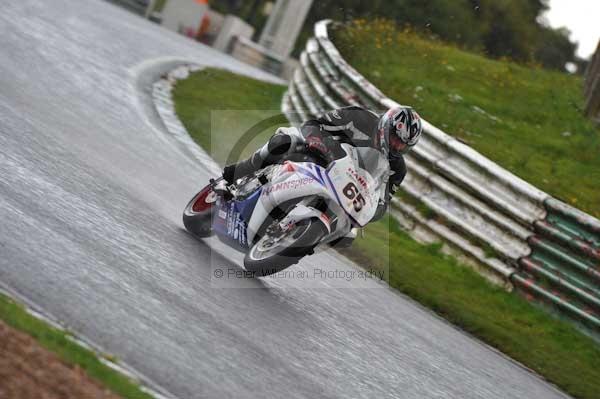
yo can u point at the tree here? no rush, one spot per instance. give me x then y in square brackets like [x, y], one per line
[555, 49]
[501, 28]
[508, 29]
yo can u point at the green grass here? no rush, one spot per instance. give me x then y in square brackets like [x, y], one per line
[58, 342]
[218, 108]
[159, 5]
[540, 133]
[506, 321]
[551, 347]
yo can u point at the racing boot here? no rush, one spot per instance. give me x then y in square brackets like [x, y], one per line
[272, 152]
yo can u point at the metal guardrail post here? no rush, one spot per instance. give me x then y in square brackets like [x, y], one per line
[591, 88]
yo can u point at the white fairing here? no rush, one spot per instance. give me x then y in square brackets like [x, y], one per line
[351, 191]
[358, 192]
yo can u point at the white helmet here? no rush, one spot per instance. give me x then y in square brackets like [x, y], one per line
[400, 128]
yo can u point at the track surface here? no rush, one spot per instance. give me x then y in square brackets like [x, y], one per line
[91, 193]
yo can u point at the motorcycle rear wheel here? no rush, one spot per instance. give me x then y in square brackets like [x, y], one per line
[197, 215]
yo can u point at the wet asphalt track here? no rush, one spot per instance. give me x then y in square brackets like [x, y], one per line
[91, 193]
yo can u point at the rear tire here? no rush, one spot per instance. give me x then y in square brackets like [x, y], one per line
[263, 260]
[197, 215]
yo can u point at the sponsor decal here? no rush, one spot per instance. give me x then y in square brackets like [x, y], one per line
[336, 114]
[361, 180]
[236, 228]
[289, 167]
[288, 185]
[230, 219]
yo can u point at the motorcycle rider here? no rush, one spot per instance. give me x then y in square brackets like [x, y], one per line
[394, 133]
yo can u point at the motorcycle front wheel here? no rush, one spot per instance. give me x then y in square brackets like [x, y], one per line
[276, 250]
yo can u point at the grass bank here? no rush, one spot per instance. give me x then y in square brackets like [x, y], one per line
[527, 119]
[217, 108]
[68, 351]
[551, 347]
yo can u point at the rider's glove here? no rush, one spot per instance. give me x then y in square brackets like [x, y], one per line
[316, 144]
[393, 188]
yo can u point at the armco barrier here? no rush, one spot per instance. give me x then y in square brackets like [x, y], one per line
[518, 234]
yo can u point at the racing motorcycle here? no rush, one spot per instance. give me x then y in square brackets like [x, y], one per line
[284, 211]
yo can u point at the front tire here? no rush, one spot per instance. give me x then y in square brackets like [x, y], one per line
[197, 215]
[271, 254]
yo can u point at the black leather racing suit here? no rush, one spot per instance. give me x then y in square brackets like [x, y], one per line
[353, 125]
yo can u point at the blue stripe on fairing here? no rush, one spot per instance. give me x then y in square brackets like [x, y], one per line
[238, 214]
[320, 176]
[318, 170]
[338, 198]
[308, 173]
[246, 206]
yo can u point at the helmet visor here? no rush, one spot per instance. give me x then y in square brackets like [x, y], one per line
[397, 147]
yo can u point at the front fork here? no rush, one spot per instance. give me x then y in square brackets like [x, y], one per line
[301, 212]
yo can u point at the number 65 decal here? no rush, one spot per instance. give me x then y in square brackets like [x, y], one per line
[351, 192]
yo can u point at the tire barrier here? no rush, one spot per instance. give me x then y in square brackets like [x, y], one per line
[516, 234]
